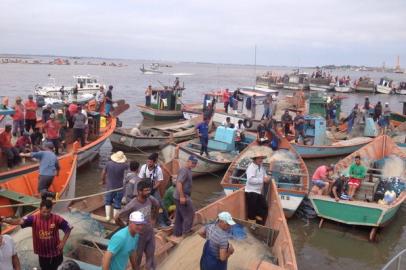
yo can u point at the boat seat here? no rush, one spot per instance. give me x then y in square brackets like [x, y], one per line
[18, 197]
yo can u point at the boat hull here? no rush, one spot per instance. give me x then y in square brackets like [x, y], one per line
[159, 115]
[306, 151]
[354, 212]
[343, 89]
[320, 88]
[128, 143]
[383, 89]
[219, 118]
[364, 89]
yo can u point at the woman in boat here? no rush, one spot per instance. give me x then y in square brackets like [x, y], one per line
[257, 207]
[217, 249]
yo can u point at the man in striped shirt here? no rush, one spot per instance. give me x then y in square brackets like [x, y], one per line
[45, 234]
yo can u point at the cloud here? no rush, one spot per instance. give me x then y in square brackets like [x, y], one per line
[286, 32]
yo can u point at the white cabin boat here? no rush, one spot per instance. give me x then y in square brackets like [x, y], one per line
[385, 86]
[84, 84]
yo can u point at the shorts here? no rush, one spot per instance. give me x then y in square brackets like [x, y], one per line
[354, 182]
[319, 183]
[114, 198]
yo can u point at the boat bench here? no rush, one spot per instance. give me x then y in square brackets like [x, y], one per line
[18, 197]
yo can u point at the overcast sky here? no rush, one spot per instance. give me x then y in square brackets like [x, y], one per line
[286, 32]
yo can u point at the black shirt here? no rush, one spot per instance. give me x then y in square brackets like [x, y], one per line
[339, 184]
[109, 96]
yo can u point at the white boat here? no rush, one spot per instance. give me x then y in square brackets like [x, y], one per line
[385, 86]
[153, 69]
[152, 137]
[342, 87]
[83, 85]
[401, 88]
[60, 102]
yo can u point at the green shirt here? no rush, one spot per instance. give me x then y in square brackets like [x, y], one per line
[357, 171]
[168, 197]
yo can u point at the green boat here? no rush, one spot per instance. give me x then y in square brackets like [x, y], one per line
[363, 211]
[165, 104]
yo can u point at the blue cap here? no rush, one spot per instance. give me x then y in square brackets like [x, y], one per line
[193, 158]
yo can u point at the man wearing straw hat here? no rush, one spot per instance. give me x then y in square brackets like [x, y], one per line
[257, 207]
[217, 249]
[113, 176]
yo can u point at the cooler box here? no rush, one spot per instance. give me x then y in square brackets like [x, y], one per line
[224, 140]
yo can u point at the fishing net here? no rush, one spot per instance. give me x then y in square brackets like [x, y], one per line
[83, 225]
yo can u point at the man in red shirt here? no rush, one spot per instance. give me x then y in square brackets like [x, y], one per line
[11, 152]
[18, 117]
[30, 113]
[51, 130]
[23, 143]
[45, 234]
[72, 110]
[321, 179]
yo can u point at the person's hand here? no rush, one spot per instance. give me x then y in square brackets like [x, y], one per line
[267, 179]
[337, 199]
[61, 245]
[231, 249]
[182, 200]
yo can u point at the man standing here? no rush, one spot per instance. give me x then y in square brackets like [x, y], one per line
[11, 152]
[226, 99]
[183, 201]
[217, 249]
[176, 84]
[321, 179]
[9, 259]
[286, 120]
[148, 95]
[113, 176]
[79, 126]
[30, 113]
[46, 113]
[51, 129]
[299, 121]
[63, 124]
[202, 131]
[109, 101]
[149, 206]
[257, 207]
[123, 245]
[131, 180]
[18, 118]
[100, 95]
[45, 234]
[48, 168]
[357, 173]
[267, 107]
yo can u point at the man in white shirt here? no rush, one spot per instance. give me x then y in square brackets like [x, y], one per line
[100, 95]
[256, 178]
[8, 254]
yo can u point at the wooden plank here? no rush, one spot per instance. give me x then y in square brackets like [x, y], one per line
[18, 197]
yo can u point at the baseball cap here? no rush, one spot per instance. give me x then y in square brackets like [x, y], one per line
[137, 217]
[193, 158]
[227, 218]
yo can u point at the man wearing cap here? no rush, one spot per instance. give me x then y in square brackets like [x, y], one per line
[321, 179]
[109, 101]
[79, 126]
[184, 207]
[112, 177]
[30, 113]
[6, 146]
[51, 130]
[257, 207]
[18, 118]
[123, 245]
[100, 96]
[48, 168]
[149, 206]
[217, 249]
[202, 131]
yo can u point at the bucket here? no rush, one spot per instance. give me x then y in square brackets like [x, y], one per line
[103, 122]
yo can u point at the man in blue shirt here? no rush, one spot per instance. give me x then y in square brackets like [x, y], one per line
[48, 168]
[202, 130]
[123, 244]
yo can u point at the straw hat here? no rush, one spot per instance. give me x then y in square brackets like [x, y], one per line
[118, 157]
[257, 154]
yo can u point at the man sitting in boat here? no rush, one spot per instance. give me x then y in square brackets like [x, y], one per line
[321, 179]
[217, 248]
[337, 189]
[287, 121]
[257, 207]
[7, 148]
[23, 144]
[261, 133]
[357, 173]
[227, 123]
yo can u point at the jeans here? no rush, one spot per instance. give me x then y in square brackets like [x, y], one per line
[113, 198]
[107, 108]
[183, 217]
[147, 100]
[79, 133]
[44, 182]
[30, 124]
[204, 141]
[350, 125]
[18, 126]
[51, 263]
[13, 156]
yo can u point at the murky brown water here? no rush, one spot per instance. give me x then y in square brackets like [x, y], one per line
[332, 247]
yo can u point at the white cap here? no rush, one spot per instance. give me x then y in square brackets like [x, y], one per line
[137, 217]
[227, 218]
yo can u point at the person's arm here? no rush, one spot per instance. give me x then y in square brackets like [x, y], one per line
[197, 130]
[103, 177]
[16, 262]
[125, 212]
[11, 221]
[179, 189]
[66, 228]
[133, 259]
[226, 249]
[350, 171]
[253, 179]
[202, 232]
[160, 177]
[334, 190]
[106, 260]
[26, 154]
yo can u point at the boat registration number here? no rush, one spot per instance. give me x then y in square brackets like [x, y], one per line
[285, 197]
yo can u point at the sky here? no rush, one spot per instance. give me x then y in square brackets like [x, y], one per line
[285, 32]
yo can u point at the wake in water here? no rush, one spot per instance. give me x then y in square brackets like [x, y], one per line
[181, 74]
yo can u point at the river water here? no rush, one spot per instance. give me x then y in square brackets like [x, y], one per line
[334, 246]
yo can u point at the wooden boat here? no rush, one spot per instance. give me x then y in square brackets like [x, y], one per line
[318, 145]
[279, 246]
[165, 104]
[85, 154]
[321, 84]
[22, 189]
[296, 81]
[365, 84]
[396, 119]
[342, 88]
[154, 137]
[222, 150]
[292, 183]
[153, 69]
[359, 212]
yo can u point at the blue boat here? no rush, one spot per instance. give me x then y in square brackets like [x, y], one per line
[317, 145]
